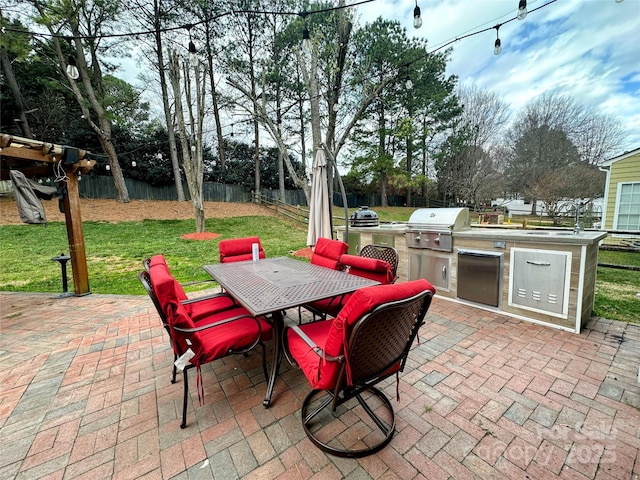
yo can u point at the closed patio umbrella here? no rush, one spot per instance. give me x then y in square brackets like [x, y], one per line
[319, 210]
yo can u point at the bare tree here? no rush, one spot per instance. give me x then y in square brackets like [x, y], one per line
[191, 140]
[485, 112]
[553, 132]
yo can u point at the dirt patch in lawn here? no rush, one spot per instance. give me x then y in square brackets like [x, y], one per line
[136, 210]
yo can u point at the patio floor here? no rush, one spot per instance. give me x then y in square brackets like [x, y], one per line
[86, 393]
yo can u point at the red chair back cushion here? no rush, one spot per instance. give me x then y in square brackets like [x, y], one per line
[159, 272]
[327, 253]
[239, 249]
[372, 268]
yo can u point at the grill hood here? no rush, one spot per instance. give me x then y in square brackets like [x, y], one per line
[439, 219]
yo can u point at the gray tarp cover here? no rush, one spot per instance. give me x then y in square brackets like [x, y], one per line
[28, 195]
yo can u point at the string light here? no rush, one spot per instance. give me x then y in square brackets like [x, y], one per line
[72, 68]
[306, 37]
[417, 19]
[497, 46]
[522, 9]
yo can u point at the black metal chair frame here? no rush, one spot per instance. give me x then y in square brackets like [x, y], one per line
[378, 341]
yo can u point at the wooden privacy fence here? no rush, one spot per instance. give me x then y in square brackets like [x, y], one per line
[296, 213]
[99, 186]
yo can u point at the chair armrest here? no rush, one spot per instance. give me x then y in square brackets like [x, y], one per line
[209, 297]
[196, 282]
[217, 324]
[317, 350]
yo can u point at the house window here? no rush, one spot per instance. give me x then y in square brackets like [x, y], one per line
[628, 207]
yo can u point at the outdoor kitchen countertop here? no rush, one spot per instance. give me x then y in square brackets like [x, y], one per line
[501, 232]
[546, 236]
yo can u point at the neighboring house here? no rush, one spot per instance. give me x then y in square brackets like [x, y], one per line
[621, 210]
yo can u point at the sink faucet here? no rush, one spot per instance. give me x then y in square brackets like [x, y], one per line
[576, 226]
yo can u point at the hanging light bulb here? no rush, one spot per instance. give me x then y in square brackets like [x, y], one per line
[193, 54]
[522, 9]
[306, 39]
[417, 19]
[134, 164]
[107, 167]
[72, 68]
[497, 46]
[409, 84]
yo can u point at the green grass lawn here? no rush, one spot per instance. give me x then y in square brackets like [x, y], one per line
[115, 252]
[617, 290]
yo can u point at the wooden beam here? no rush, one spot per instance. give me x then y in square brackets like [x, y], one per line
[76, 236]
[28, 154]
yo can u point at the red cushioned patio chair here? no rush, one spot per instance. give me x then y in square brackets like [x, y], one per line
[222, 333]
[344, 358]
[239, 249]
[327, 253]
[371, 268]
[383, 252]
[197, 308]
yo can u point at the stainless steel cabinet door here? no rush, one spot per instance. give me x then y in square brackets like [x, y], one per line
[435, 269]
[540, 280]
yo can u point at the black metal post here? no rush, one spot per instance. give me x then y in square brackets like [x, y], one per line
[63, 259]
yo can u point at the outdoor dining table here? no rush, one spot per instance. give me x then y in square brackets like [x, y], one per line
[269, 286]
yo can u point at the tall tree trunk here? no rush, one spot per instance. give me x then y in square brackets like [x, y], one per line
[103, 128]
[191, 151]
[15, 92]
[212, 86]
[173, 149]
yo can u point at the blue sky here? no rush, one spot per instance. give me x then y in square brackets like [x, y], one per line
[586, 49]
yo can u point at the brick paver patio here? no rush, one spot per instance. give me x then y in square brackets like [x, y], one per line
[86, 393]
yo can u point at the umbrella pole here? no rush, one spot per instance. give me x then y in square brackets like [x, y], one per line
[344, 196]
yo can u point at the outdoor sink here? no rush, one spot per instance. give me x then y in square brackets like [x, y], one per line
[549, 233]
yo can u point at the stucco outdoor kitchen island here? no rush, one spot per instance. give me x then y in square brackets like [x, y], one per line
[542, 276]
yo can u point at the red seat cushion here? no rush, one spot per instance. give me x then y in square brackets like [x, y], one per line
[322, 376]
[159, 271]
[199, 309]
[332, 334]
[327, 253]
[371, 268]
[239, 249]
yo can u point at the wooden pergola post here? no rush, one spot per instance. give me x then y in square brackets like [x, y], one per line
[75, 235]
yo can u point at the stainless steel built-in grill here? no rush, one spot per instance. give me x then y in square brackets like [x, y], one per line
[432, 228]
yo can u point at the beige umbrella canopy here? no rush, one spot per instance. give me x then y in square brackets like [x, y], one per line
[319, 210]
